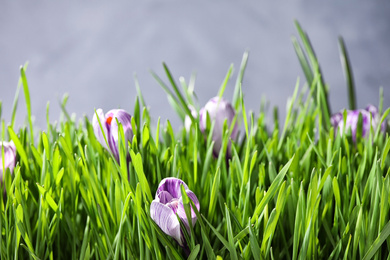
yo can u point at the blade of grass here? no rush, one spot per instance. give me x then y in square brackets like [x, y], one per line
[244, 61]
[346, 64]
[28, 102]
[385, 233]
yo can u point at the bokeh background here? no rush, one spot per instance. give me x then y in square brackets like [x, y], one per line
[91, 50]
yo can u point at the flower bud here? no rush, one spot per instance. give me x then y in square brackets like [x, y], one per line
[167, 203]
[219, 110]
[369, 114]
[110, 128]
[9, 157]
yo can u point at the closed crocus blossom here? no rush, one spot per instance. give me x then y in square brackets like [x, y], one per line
[9, 160]
[219, 110]
[369, 114]
[168, 204]
[110, 128]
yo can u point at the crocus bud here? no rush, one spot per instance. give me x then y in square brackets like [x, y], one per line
[187, 119]
[9, 157]
[219, 110]
[167, 203]
[110, 128]
[370, 114]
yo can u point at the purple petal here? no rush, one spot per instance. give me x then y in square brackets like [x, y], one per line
[166, 219]
[194, 199]
[125, 119]
[176, 204]
[202, 119]
[110, 128]
[168, 203]
[9, 157]
[181, 212]
[336, 119]
[164, 197]
[97, 129]
[183, 217]
[171, 185]
[370, 118]
[219, 110]
[373, 110]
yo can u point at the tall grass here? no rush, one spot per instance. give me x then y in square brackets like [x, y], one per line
[293, 193]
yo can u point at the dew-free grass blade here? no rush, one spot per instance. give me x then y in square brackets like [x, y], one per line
[28, 102]
[225, 81]
[240, 77]
[19, 147]
[194, 253]
[307, 70]
[346, 64]
[178, 93]
[382, 237]
[255, 248]
[233, 254]
[271, 191]
[221, 238]
[137, 163]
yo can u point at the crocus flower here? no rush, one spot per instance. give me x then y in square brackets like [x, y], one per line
[9, 157]
[110, 128]
[219, 110]
[369, 113]
[168, 204]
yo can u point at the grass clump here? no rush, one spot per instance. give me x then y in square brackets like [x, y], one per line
[303, 191]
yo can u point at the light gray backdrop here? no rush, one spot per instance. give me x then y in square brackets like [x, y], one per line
[90, 49]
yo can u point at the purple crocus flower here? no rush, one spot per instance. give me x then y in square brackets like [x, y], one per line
[167, 203]
[219, 110]
[9, 157]
[110, 128]
[369, 113]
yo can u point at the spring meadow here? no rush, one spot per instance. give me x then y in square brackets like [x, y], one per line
[229, 184]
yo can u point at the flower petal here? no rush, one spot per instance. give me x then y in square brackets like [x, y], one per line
[336, 119]
[219, 110]
[166, 219]
[370, 118]
[194, 199]
[96, 127]
[181, 212]
[373, 110]
[171, 185]
[9, 157]
[125, 119]
[164, 197]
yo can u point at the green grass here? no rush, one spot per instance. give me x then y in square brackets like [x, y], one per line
[293, 193]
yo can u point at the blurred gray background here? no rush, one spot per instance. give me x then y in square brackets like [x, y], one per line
[91, 50]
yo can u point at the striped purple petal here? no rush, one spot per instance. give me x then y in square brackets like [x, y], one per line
[9, 157]
[110, 127]
[172, 186]
[124, 119]
[166, 219]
